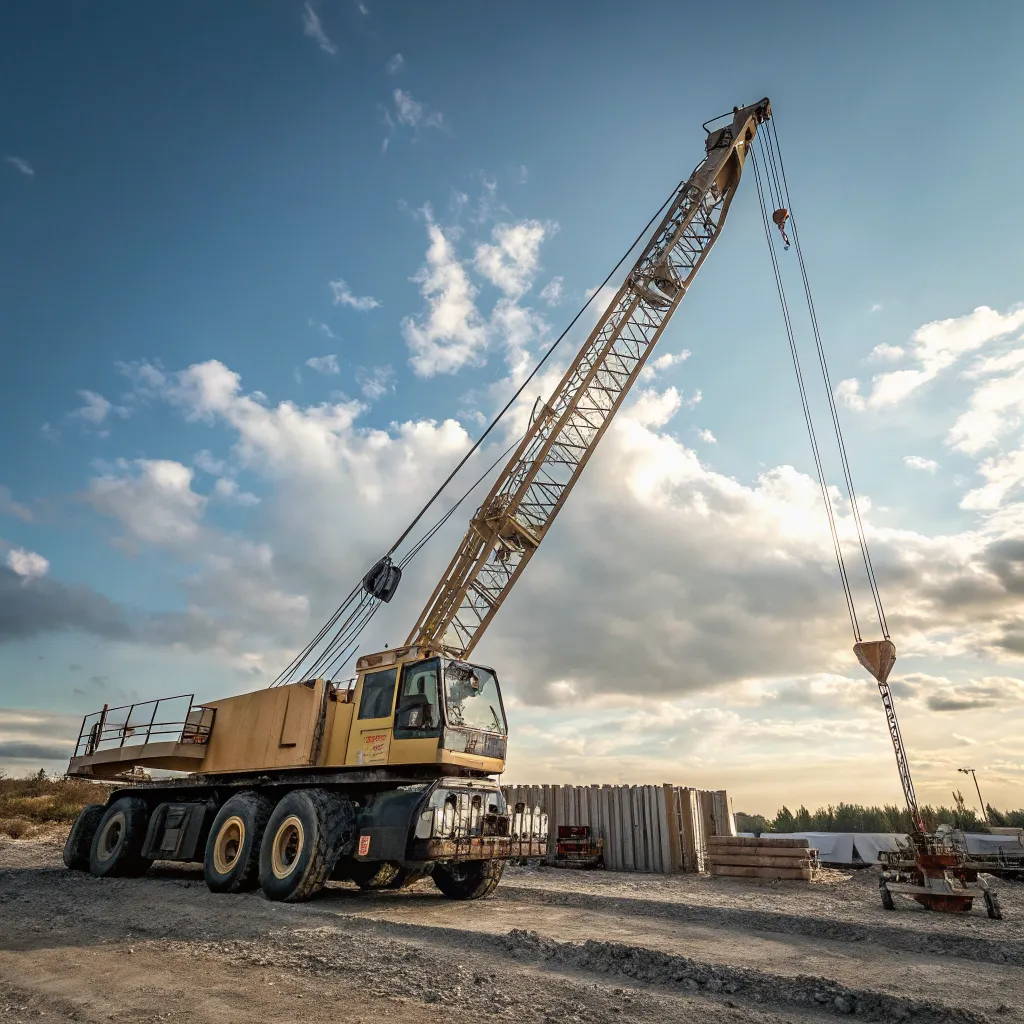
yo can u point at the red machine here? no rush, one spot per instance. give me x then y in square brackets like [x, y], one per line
[576, 847]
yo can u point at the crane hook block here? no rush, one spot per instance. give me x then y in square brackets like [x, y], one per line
[780, 216]
[877, 656]
[382, 580]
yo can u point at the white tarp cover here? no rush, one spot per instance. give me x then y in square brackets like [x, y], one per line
[832, 847]
[868, 844]
[838, 847]
[982, 842]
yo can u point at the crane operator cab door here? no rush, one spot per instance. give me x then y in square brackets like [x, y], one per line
[370, 737]
[419, 716]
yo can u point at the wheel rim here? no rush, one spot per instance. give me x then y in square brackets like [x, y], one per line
[111, 836]
[228, 847]
[288, 843]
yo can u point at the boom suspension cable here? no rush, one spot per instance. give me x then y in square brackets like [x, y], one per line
[804, 403]
[777, 187]
[340, 648]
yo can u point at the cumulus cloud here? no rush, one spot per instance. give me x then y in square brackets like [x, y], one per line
[27, 564]
[511, 260]
[935, 347]
[551, 293]
[395, 64]
[313, 29]
[886, 353]
[324, 364]
[344, 296]
[452, 334]
[707, 437]
[917, 462]
[152, 498]
[95, 408]
[375, 382]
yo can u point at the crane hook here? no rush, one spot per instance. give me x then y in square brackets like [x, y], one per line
[780, 216]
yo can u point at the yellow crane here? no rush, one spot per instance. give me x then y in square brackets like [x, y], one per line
[391, 776]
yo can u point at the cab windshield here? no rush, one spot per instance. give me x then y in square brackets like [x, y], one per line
[473, 698]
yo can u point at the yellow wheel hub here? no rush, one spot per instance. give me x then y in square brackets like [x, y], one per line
[288, 843]
[228, 846]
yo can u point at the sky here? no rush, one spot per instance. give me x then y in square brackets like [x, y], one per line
[267, 269]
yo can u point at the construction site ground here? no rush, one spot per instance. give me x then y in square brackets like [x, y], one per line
[550, 946]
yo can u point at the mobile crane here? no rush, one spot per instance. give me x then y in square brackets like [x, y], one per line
[391, 776]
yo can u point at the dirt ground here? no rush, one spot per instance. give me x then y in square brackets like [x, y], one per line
[550, 945]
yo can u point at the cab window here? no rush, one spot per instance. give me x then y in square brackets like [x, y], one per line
[418, 714]
[378, 694]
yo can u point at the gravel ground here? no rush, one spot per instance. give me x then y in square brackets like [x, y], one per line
[550, 945]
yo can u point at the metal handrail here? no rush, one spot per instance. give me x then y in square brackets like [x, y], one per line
[97, 732]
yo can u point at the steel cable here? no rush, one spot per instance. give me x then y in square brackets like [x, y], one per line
[804, 402]
[854, 505]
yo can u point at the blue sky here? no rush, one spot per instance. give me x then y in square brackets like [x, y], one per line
[263, 185]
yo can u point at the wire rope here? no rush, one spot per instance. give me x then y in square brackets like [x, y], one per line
[804, 402]
[826, 377]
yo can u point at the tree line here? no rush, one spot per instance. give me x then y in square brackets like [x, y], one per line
[858, 818]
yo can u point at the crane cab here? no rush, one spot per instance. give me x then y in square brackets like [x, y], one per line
[412, 706]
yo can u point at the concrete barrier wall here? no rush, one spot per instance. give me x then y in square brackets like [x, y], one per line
[661, 829]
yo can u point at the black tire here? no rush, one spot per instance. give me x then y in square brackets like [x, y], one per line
[468, 880]
[231, 862]
[78, 847]
[116, 850]
[992, 907]
[887, 901]
[306, 832]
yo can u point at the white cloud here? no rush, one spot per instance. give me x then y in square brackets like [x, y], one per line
[22, 165]
[707, 437]
[362, 8]
[152, 498]
[452, 334]
[323, 329]
[27, 564]
[551, 293]
[376, 382]
[324, 364]
[312, 28]
[206, 461]
[413, 114]
[10, 507]
[95, 408]
[917, 462]
[664, 362]
[876, 307]
[1003, 475]
[937, 346]
[343, 296]
[695, 399]
[886, 353]
[848, 393]
[226, 490]
[511, 262]
[395, 64]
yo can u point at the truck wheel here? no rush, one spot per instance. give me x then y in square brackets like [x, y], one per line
[887, 900]
[992, 907]
[117, 845]
[79, 841]
[469, 880]
[232, 859]
[304, 836]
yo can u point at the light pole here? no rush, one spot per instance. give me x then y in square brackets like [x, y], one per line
[970, 771]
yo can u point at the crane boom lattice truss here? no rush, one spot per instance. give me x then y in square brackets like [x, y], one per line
[526, 497]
